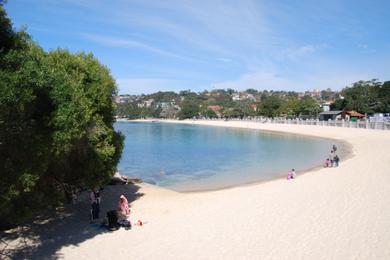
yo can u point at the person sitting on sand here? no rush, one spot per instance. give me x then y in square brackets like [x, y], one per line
[123, 211]
[291, 174]
[327, 162]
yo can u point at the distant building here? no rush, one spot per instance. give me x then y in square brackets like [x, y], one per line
[332, 115]
[217, 109]
[164, 104]
[243, 96]
[326, 106]
[353, 115]
[236, 97]
[122, 99]
[146, 103]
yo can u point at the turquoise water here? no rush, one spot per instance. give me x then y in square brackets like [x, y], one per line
[188, 157]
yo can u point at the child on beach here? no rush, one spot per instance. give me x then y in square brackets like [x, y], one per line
[327, 163]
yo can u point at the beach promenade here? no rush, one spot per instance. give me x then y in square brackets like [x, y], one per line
[327, 213]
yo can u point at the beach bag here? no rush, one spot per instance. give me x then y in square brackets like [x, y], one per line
[125, 223]
[112, 217]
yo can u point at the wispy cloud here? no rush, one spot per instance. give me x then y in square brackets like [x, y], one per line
[133, 44]
[248, 43]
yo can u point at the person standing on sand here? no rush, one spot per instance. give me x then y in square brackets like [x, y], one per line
[94, 197]
[331, 157]
[336, 160]
[334, 148]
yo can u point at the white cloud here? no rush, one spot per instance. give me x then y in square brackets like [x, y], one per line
[299, 52]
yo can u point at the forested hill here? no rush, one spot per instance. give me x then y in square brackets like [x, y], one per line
[366, 97]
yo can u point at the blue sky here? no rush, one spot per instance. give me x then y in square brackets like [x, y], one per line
[152, 45]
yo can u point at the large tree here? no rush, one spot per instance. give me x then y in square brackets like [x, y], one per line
[384, 98]
[56, 125]
[362, 96]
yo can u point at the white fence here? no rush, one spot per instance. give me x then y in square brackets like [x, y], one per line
[336, 123]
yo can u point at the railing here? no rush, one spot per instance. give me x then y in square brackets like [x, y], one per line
[335, 123]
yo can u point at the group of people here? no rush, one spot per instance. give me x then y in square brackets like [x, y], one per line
[333, 159]
[122, 212]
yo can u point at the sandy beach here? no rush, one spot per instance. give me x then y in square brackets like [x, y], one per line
[327, 213]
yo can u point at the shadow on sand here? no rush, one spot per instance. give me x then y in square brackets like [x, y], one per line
[42, 238]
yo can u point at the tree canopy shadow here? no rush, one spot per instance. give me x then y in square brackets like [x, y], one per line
[70, 225]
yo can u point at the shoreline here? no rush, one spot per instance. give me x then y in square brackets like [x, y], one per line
[346, 154]
[326, 213]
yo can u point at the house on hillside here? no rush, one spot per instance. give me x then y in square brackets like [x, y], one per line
[217, 110]
[164, 104]
[122, 99]
[146, 103]
[236, 97]
[326, 106]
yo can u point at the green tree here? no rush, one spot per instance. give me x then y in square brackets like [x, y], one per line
[189, 109]
[308, 107]
[289, 107]
[270, 105]
[362, 96]
[56, 125]
[209, 114]
[384, 98]
[168, 112]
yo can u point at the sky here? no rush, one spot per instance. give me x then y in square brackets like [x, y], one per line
[174, 45]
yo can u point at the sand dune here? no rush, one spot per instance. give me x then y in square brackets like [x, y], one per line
[329, 213]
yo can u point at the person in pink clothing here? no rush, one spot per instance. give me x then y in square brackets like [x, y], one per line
[124, 212]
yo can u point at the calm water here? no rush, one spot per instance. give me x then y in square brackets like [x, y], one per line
[188, 157]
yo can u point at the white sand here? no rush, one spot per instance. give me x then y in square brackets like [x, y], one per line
[330, 213]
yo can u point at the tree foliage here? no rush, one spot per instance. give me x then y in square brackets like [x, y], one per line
[362, 96]
[189, 109]
[56, 124]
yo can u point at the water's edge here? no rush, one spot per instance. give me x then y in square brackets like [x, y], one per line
[345, 152]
